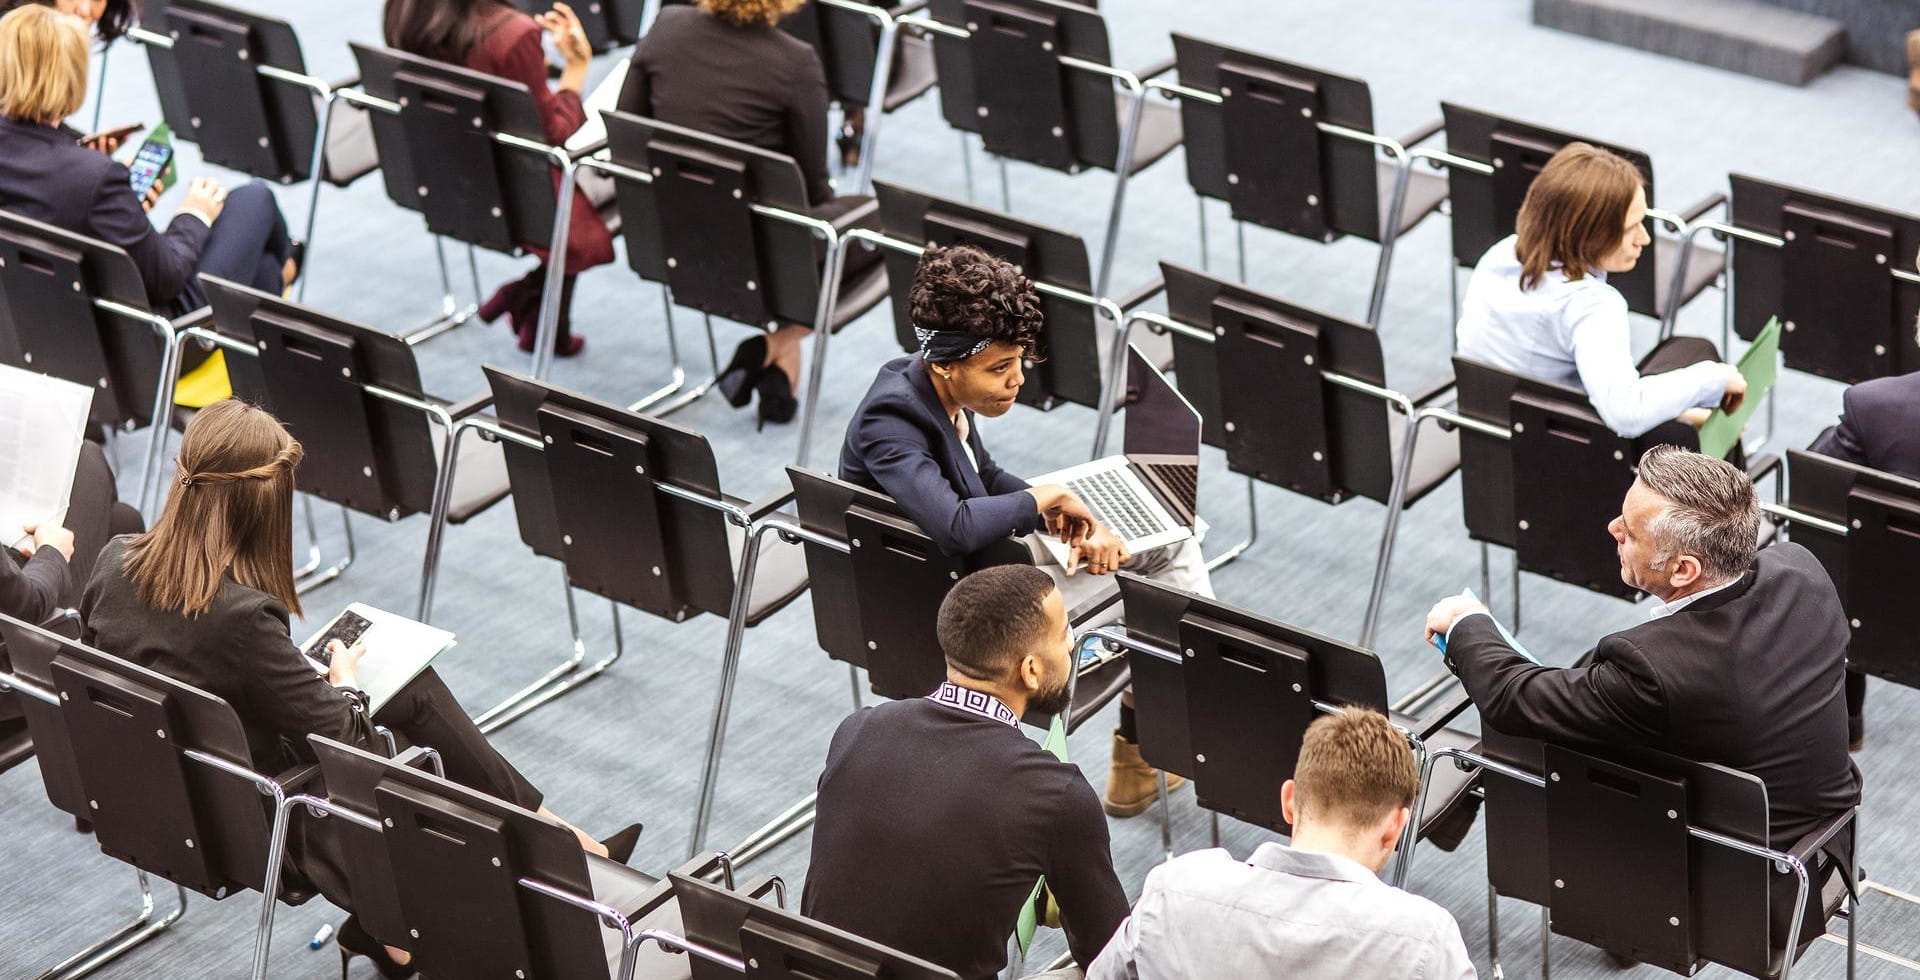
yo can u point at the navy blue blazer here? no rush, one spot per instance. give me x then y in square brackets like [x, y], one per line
[902, 444]
[1879, 426]
[46, 176]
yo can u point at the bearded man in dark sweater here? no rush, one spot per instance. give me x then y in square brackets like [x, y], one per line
[937, 815]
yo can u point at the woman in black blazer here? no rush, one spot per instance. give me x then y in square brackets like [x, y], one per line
[205, 597]
[46, 175]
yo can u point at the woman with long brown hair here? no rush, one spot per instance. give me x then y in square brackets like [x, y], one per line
[205, 597]
[1539, 303]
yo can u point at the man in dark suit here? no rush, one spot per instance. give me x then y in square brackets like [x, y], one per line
[1741, 664]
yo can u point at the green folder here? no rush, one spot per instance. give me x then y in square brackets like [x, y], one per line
[1760, 365]
[1029, 922]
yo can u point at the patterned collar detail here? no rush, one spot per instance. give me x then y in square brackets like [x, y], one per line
[974, 702]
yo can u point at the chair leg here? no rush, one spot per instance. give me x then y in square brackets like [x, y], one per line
[142, 928]
[853, 675]
[1213, 820]
[310, 576]
[966, 164]
[822, 334]
[1253, 532]
[1240, 248]
[1546, 943]
[1389, 235]
[549, 323]
[1516, 591]
[1396, 503]
[669, 398]
[1493, 932]
[1486, 573]
[1006, 188]
[1122, 169]
[316, 171]
[571, 673]
[1166, 815]
[1453, 303]
[1200, 204]
[452, 314]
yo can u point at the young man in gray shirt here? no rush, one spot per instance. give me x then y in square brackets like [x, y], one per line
[1313, 909]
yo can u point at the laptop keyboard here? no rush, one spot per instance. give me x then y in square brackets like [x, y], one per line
[1180, 481]
[1113, 501]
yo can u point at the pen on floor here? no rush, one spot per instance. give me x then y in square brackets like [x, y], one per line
[320, 938]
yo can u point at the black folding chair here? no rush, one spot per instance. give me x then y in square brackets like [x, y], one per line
[736, 932]
[234, 82]
[1492, 161]
[429, 860]
[162, 773]
[74, 307]
[1652, 857]
[727, 230]
[1224, 697]
[352, 395]
[1836, 272]
[1073, 339]
[1035, 79]
[869, 60]
[1298, 399]
[468, 151]
[608, 24]
[1292, 148]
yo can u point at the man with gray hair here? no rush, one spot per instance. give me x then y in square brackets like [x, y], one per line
[1741, 663]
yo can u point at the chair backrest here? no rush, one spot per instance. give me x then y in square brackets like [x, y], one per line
[1831, 281]
[453, 859]
[439, 157]
[1260, 389]
[50, 323]
[129, 730]
[1070, 370]
[30, 654]
[1550, 490]
[848, 45]
[781, 945]
[608, 24]
[1484, 207]
[1262, 151]
[312, 371]
[1605, 843]
[591, 497]
[875, 604]
[692, 224]
[1005, 80]
[1871, 565]
[212, 93]
[1232, 713]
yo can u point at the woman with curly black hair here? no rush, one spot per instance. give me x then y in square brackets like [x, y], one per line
[978, 321]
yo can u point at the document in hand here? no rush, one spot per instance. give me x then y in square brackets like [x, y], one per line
[398, 649]
[1760, 365]
[604, 96]
[43, 420]
[1505, 635]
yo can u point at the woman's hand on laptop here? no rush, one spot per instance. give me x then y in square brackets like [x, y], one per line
[344, 663]
[1102, 553]
[1066, 514]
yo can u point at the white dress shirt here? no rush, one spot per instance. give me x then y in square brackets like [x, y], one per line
[1281, 913]
[1661, 610]
[1575, 333]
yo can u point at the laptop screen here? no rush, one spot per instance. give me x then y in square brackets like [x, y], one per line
[1163, 431]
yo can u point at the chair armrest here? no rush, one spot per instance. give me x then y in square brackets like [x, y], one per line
[1823, 835]
[1426, 132]
[769, 503]
[853, 216]
[201, 317]
[1702, 206]
[298, 776]
[1442, 714]
[469, 405]
[1141, 293]
[344, 81]
[589, 150]
[1431, 390]
[1761, 465]
[1156, 69]
[907, 9]
[1089, 607]
[760, 886]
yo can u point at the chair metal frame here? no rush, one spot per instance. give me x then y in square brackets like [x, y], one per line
[140, 930]
[1136, 87]
[442, 487]
[1402, 468]
[836, 242]
[1119, 638]
[566, 162]
[889, 24]
[1465, 759]
[1400, 154]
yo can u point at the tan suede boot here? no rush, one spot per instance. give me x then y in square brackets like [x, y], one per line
[1132, 785]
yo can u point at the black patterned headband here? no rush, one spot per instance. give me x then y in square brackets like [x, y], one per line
[947, 346]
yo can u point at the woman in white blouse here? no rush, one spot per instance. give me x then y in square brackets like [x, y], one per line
[1539, 304]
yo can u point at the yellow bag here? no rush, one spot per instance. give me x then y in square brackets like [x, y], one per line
[205, 384]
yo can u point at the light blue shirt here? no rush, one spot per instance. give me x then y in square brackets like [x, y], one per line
[1281, 913]
[1574, 333]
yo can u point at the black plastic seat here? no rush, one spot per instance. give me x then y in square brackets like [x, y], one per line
[849, 36]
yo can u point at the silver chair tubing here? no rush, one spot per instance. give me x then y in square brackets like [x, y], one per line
[1123, 158]
[550, 290]
[877, 88]
[1465, 758]
[143, 926]
[570, 674]
[162, 396]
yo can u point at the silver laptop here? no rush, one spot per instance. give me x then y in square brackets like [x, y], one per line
[1148, 495]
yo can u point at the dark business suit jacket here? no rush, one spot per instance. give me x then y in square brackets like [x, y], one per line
[46, 176]
[239, 651]
[1749, 678]
[902, 444]
[31, 592]
[1879, 426]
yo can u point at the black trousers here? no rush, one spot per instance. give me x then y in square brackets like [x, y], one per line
[426, 713]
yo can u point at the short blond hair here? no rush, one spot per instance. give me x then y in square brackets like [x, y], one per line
[750, 13]
[1354, 769]
[43, 64]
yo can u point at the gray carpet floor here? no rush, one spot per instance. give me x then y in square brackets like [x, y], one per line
[627, 747]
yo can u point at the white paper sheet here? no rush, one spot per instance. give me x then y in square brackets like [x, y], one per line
[398, 649]
[43, 421]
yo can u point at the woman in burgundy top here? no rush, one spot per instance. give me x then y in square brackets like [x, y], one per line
[494, 37]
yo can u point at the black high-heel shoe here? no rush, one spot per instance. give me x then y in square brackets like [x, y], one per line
[620, 846]
[743, 372]
[354, 940]
[777, 403]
